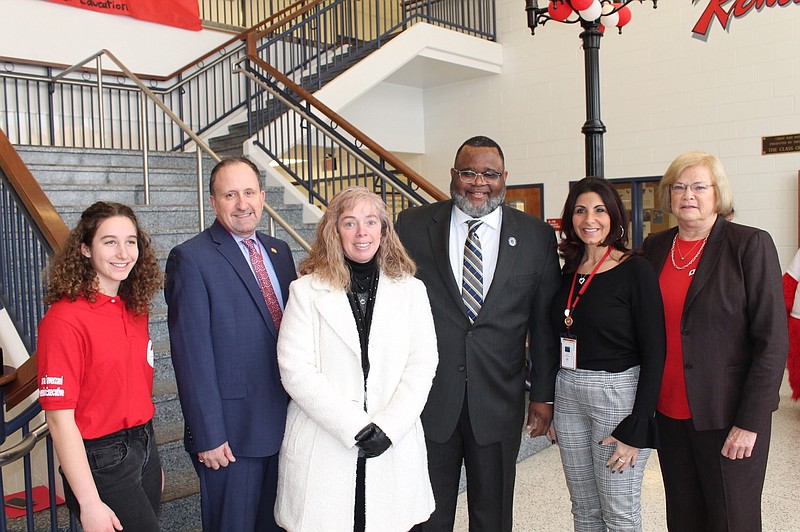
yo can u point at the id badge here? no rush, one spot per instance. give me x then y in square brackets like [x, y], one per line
[569, 352]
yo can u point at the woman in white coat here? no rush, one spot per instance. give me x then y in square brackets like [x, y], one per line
[357, 354]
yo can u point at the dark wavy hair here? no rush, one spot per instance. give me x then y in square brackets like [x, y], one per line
[571, 247]
[72, 275]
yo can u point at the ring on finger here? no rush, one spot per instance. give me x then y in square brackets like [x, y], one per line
[620, 460]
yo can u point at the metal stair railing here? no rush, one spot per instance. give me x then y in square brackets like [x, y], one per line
[146, 95]
[41, 105]
[32, 230]
[313, 48]
[323, 153]
[94, 108]
[305, 52]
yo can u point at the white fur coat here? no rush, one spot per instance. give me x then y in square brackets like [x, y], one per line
[320, 361]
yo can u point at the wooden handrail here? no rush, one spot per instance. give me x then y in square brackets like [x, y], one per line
[54, 231]
[33, 197]
[24, 383]
[272, 27]
[356, 133]
[243, 35]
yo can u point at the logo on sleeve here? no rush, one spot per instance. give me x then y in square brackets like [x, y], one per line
[51, 386]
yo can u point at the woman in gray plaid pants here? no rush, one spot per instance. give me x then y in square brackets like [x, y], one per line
[609, 317]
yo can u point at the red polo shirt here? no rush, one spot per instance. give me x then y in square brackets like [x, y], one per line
[96, 358]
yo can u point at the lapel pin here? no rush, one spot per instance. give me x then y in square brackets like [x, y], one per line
[512, 241]
[273, 250]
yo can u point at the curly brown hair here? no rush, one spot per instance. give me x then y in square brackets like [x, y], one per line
[326, 258]
[72, 275]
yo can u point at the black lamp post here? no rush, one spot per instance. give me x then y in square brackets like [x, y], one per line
[592, 15]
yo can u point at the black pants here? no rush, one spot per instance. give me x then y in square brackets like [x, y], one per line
[491, 473]
[705, 491]
[127, 473]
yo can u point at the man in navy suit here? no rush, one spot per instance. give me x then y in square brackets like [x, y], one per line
[223, 336]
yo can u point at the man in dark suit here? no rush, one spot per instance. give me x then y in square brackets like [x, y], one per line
[483, 315]
[225, 290]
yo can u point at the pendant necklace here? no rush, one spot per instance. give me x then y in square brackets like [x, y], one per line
[691, 250]
[696, 255]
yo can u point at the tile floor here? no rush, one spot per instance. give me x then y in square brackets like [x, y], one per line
[542, 500]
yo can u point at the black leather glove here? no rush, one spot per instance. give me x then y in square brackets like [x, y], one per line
[372, 441]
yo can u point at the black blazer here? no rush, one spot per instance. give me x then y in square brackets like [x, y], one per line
[733, 327]
[487, 359]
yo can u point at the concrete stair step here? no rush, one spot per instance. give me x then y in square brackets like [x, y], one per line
[111, 175]
[156, 219]
[79, 157]
[77, 194]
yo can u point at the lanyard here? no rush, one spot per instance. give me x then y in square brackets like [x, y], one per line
[571, 304]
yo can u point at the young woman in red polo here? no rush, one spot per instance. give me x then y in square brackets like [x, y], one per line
[95, 366]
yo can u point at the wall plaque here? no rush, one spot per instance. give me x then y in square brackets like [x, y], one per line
[780, 144]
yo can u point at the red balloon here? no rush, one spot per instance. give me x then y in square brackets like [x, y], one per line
[580, 5]
[624, 15]
[601, 28]
[559, 11]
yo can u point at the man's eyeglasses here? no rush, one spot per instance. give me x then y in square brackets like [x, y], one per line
[469, 177]
[697, 188]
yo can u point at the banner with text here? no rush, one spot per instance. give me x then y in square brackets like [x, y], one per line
[180, 13]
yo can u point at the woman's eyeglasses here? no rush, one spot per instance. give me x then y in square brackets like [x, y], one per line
[697, 188]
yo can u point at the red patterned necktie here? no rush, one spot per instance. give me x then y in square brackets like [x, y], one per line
[273, 304]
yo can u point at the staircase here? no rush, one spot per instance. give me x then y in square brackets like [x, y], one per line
[230, 144]
[73, 179]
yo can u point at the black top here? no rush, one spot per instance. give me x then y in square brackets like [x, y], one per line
[619, 323]
[361, 295]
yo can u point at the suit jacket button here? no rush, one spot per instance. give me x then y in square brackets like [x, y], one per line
[688, 366]
[461, 368]
[469, 334]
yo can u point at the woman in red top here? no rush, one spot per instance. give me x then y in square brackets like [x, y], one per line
[95, 366]
[726, 351]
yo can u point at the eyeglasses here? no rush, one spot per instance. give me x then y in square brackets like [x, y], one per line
[697, 188]
[469, 177]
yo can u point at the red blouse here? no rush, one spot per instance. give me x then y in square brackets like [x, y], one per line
[674, 283]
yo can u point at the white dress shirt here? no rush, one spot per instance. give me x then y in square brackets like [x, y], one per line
[488, 232]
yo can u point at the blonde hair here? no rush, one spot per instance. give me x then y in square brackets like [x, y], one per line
[724, 206]
[327, 259]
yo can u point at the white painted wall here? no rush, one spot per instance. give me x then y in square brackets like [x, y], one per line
[46, 31]
[663, 92]
[392, 115]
